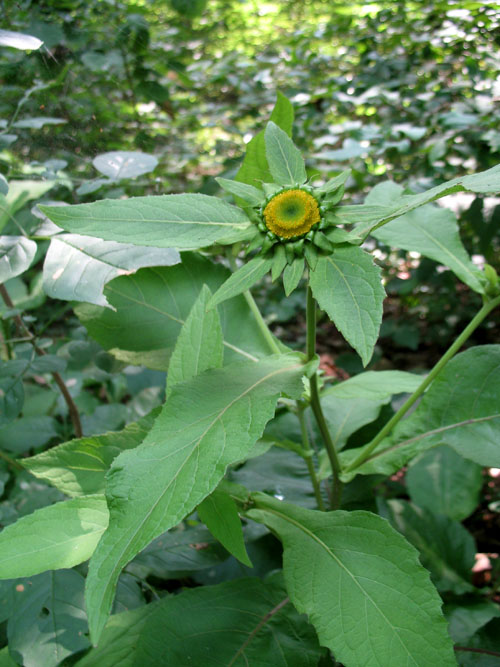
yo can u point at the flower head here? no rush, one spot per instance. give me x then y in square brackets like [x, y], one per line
[291, 213]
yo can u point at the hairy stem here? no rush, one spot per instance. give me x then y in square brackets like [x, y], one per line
[24, 331]
[308, 459]
[452, 350]
[316, 404]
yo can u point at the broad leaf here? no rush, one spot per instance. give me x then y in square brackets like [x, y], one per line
[48, 622]
[373, 216]
[199, 345]
[152, 306]
[241, 280]
[237, 623]
[375, 385]
[361, 585]
[446, 549]
[255, 169]
[244, 191]
[54, 537]
[284, 159]
[219, 513]
[78, 467]
[166, 221]
[431, 231]
[124, 164]
[460, 409]
[181, 461]
[76, 268]
[444, 482]
[467, 616]
[347, 286]
[16, 254]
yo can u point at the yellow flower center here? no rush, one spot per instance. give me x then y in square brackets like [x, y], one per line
[291, 213]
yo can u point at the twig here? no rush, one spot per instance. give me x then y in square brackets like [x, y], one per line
[477, 650]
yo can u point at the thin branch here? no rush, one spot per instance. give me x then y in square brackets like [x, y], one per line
[477, 650]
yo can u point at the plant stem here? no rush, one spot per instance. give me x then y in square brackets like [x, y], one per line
[10, 461]
[316, 404]
[255, 310]
[308, 459]
[452, 350]
[23, 330]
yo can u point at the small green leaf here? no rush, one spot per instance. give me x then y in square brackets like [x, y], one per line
[285, 161]
[241, 280]
[16, 254]
[220, 515]
[347, 286]
[334, 183]
[361, 585]
[166, 221]
[375, 385]
[242, 190]
[124, 164]
[279, 262]
[52, 538]
[292, 275]
[200, 344]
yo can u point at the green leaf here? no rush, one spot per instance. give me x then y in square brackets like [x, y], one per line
[292, 274]
[334, 183]
[347, 286]
[48, 622]
[11, 398]
[467, 616]
[199, 345]
[5, 659]
[255, 169]
[374, 216]
[167, 221]
[250, 194]
[16, 254]
[431, 231]
[220, 515]
[237, 623]
[284, 159]
[52, 538]
[444, 482]
[76, 268]
[27, 433]
[182, 460]
[152, 305]
[446, 548]
[447, 415]
[375, 385]
[124, 164]
[77, 468]
[119, 639]
[361, 585]
[242, 279]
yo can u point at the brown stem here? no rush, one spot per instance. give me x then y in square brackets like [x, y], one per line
[477, 650]
[23, 330]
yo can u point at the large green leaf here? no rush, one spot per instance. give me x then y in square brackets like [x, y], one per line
[152, 305]
[167, 221]
[372, 216]
[48, 621]
[242, 279]
[16, 254]
[446, 549]
[460, 409]
[431, 231]
[361, 585]
[286, 164]
[77, 468]
[375, 385]
[255, 169]
[76, 267]
[54, 537]
[237, 623]
[181, 461]
[347, 286]
[199, 345]
[444, 482]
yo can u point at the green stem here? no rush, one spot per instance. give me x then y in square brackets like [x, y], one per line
[255, 310]
[316, 404]
[308, 453]
[452, 350]
[10, 461]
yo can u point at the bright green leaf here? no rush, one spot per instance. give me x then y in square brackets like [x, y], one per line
[284, 159]
[375, 385]
[292, 274]
[244, 191]
[241, 280]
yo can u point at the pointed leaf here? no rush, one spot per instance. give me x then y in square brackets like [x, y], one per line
[199, 345]
[166, 221]
[182, 460]
[460, 409]
[16, 254]
[361, 585]
[52, 538]
[285, 161]
[347, 286]
[242, 279]
[124, 164]
[242, 190]
[292, 274]
[220, 515]
[375, 385]
[76, 268]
